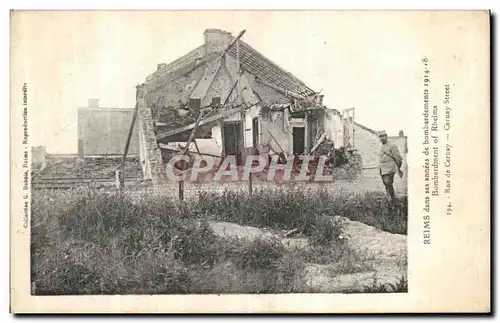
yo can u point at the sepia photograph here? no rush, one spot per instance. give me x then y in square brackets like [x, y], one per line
[235, 152]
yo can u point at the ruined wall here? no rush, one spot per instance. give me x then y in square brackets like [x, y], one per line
[275, 124]
[152, 164]
[250, 114]
[333, 127]
[242, 93]
[167, 92]
[143, 151]
[104, 131]
[217, 134]
[220, 87]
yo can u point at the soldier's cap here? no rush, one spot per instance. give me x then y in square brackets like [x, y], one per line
[382, 133]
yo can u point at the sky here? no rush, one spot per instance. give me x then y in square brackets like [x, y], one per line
[366, 60]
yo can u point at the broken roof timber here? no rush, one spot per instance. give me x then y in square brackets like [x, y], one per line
[202, 122]
[249, 58]
[180, 148]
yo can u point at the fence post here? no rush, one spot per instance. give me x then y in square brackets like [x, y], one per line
[181, 190]
[250, 188]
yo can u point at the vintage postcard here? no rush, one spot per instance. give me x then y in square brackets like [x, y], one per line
[250, 161]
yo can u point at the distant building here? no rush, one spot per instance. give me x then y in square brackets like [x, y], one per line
[367, 143]
[103, 131]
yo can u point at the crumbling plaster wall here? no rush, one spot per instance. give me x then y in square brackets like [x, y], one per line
[277, 130]
[334, 128]
[173, 92]
[243, 93]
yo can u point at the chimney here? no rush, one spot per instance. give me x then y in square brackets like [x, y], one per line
[160, 66]
[401, 133]
[216, 40]
[93, 103]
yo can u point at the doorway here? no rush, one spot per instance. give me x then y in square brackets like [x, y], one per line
[298, 140]
[233, 140]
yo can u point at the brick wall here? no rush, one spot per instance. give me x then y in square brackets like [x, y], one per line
[151, 159]
[369, 181]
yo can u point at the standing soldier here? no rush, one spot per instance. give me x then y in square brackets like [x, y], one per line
[390, 163]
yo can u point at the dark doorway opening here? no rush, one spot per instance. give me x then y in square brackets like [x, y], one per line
[298, 140]
[255, 135]
[233, 140]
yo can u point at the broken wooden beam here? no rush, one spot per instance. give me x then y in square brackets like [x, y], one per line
[202, 122]
[277, 143]
[320, 140]
[121, 173]
[223, 114]
[232, 42]
[193, 133]
[167, 147]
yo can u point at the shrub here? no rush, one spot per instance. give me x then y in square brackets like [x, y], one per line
[286, 209]
[258, 254]
[90, 242]
[400, 287]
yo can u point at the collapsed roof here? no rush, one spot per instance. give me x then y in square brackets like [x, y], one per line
[172, 85]
[250, 60]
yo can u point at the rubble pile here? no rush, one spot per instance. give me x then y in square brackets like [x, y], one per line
[381, 256]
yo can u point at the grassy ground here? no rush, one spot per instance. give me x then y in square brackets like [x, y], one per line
[84, 242]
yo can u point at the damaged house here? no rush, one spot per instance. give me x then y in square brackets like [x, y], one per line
[238, 102]
[222, 98]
